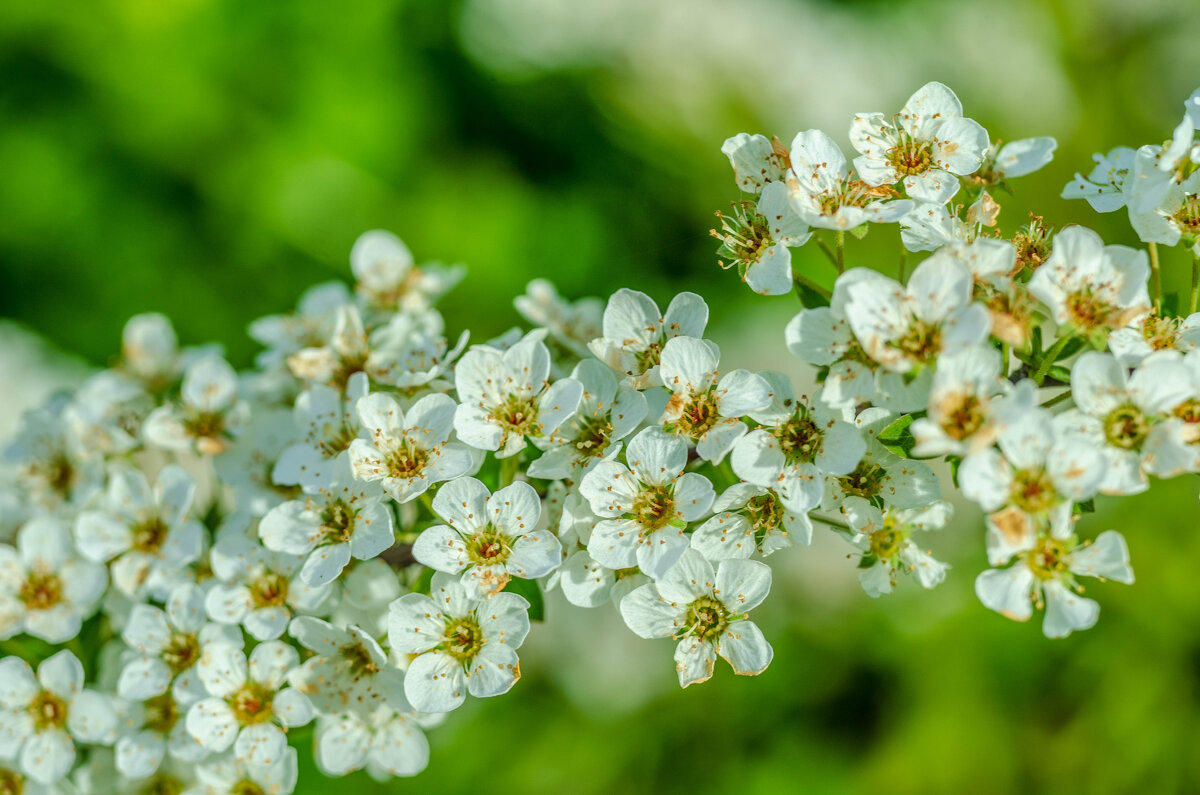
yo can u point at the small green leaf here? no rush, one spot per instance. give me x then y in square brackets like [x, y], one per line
[860, 231]
[810, 298]
[1087, 506]
[532, 593]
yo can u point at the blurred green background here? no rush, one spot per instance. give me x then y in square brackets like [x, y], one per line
[210, 159]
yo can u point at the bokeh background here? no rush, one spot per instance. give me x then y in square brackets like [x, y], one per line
[211, 158]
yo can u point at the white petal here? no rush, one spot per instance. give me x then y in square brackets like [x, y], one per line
[745, 649]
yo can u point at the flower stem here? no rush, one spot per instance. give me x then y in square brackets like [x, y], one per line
[1054, 401]
[1155, 278]
[840, 241]
[1048, 359]
[821, 244]
[903, 266]
[831, 522]
[810, 284]
[508, 469]
[1192, 300]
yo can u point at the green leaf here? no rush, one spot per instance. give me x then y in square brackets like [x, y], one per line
[532, 593]
[1059, 373]
[897, 438]
[860, 231]
[1035, 344]
[810, 298]
[1087, 506]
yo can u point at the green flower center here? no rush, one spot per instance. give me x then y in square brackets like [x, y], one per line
[654, 507]
[337, 522]
[910, 156]
[332, 443]
[707, 618]
[744, 235]
[962, 414]
[56, 472]
[41, 590]
[1032, 490]
[865, 481]
[181, 652]
[160, 784]
[765, 513]
[592, 437]
[359, 659]
[11, 782]
[885, 542]
[1126, 427]
[921, 342]
[800, 438]
[1161, 332]
[488, 547]
[269, 590]
[161, 713]
[649, 357]
[1188, 217]
[252, 704]
[246, 787]
[517, 416]
[1047, 559]
[48, 711]
[204, 424]
[149, 535]
[463, 639]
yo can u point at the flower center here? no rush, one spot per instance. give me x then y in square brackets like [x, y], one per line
[1161, 332]
[252, 704]
[744, 235]
[885, 542]
[1126, 427]
[160, 784]
[11, 782]
[910, 156]
[488, 547]
[407, 461]
[962, 414]
[41, 590]
[654, 507]
[921, 342]
[149, 535]
[359, 659]
[592, 435]
[1032, 490]
[204, 424]
[1033, 244]
[337, 521]
[765, 513]
[161, 713]
[649, 357]
[865, 481]
[48, 711]
[463, 639]
[269, 590]
[799, 438]
[1188, 217]
[333, 440]
[518, 416]
[707, 618]
[246, 787]
[56, 472]
[181, 652]
[1046, 560]
[697, 415]
[1087, 311]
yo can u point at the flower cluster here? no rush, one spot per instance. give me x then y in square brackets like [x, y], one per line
[339, 545]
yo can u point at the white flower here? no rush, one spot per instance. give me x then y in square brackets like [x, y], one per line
[1104, 187]
[821, 336]
[827, 195]
[147, 533]
[706, 613]
[963, 416]
[491, 536]
[150, 731]
[258, 589]
[462, 643]
[329, 421]
[1015, 159]
[386, 742]
[929, 227]
[646, 506]
[585, 582]
[885, 537]
[635, 333]
[607, 413]
[570, 325]
[757, 238]
[1175, 217]
[230, 775]
[42, 718]
[796, 446]
[408, 451]
[1150, 333]
[412, 353]
[247, 466]
[506, 396]
[329, 526]
[881, 475]
[46, 590]
[348, 671]
[108, 411]
[366, 592]
[167, 645]
[1091, 287]
[249, 705]
[309, 326]
[908, 327]
[343, 354]
[706, 409]
[1045, 575]
[1036, 468]
[749, 519]
[1131, 417]
[208, 415]
[756, 161]
[53, 462]
[150, 352]
[926, 145]
[389, 280]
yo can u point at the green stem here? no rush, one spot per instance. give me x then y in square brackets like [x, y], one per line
[840, 241]
[1195, 296]
[1155, 278]
[508, 469]
[1054, 401]
[1004, 359]
[903, 266]
[831, 522]
[821, 244]
[1049, 358]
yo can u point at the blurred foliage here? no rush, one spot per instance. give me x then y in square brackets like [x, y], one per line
[210, 159]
